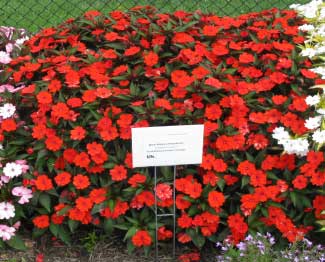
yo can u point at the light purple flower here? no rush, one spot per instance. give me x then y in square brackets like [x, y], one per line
[241, 246]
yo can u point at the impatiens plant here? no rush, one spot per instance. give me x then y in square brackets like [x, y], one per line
[13, 194]
[91, 79]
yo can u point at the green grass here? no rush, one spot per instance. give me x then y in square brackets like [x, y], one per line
[35, 14]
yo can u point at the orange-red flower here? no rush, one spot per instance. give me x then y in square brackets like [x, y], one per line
[42, 221]
[62, 179]
[81, 181]
[43, 183]
[78, 133]
[118, 173]
[141, 238]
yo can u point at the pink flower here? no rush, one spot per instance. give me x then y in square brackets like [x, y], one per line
[10, 88]
[6, 233]
[24, 193]
[23, 164]
[164, 191]
[4, 58]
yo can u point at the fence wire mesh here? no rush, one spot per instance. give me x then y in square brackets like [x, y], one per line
[35, 14]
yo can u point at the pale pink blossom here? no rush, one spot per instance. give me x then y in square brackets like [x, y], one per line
[24, 193]
[6, 232]
[7, 210]
[23, 164]
[4, 58]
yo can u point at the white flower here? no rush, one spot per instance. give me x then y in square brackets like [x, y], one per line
[313, 122]
[12, 170]
[7, 110]
[4, 58]
[7, 210]
[312, 100]
[1, 147]
[319, 136]
[306, 27]
[298, 146]
[321, 111]
[280, 134]
[320, 49]
[20, 41]
[309, 52]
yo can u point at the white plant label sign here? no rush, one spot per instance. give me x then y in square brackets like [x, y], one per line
[167, 145]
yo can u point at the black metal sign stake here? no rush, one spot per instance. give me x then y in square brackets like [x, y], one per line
[165, 215]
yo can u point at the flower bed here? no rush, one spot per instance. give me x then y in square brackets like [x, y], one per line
[12, 194]
[91, 79]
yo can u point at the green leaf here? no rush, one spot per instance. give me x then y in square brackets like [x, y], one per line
[197, 238]
[73, 224]
[45, 201]
[131, 232]
[17, 243]
[108, 226]
[38, 232]
[54, 228]
[64, 235]
[130, 247]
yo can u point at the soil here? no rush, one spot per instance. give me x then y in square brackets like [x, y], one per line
[108, 250]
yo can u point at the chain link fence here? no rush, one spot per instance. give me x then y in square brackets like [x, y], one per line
[35, 14]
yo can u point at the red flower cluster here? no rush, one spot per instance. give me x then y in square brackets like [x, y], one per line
[93, 78]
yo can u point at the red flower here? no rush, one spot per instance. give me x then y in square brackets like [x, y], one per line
[213, 112]
[8, 125]
[84, 203]
[141, 238]
[78, 133]
[300, 182]
[213, 82]
[81, 160]
[118, 173]
[309, 74]
[164, 234]
[132, 51]
[246, 58]
[43, 183]
[63, 179]
[98, 195]
[81, 181]
[41, 221]
[184, 221]
[181, 203]
[44, 97]
[164, 191]
[216, 199]
[53, 143]
[151, 59]
[182, 38]
[136, 180]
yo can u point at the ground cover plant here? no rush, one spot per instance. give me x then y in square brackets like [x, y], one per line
[91, 79]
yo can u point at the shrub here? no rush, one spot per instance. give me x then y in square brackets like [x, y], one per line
[91, 79]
